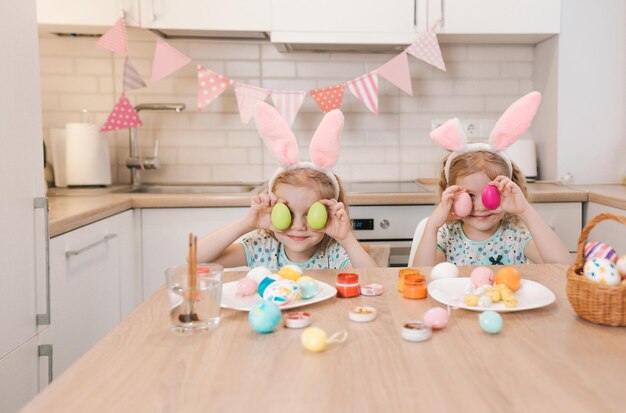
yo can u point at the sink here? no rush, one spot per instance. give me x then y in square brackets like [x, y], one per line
[213, 188]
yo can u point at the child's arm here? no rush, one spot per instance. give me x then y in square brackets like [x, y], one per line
[545, 247]
[219, 247]
[339, 228]
[427, 253]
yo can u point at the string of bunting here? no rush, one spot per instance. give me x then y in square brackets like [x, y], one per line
[211, 85]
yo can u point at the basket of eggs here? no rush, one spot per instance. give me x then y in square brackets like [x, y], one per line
[596, 282]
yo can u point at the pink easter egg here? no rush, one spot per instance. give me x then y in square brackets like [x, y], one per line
[245, 286]
[481, 276]
[462, 205]
[491, 197]
[599, 250]
[621, 266]
[436, 318]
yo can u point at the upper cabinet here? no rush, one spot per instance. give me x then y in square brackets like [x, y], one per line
[86, 16]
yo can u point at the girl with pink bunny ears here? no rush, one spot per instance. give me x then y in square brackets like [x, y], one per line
[483, 231]
[254, 241]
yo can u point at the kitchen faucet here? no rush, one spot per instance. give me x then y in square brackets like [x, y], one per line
[135, 162]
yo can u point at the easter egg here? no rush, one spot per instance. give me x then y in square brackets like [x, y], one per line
[510, 277]
[314, 339]
[281, 216]
[258, 274]
[266, 282]
[309, 288]
[282, 292]
[264, 316]
[436, 317]
[246, 286]
[290, 272]
[304, 278]
[444, 270]
[599, 250]
[462, 205]
[490, 321]
[481, 276]
[317, 216]
[601, 271]
[621, 266]
[490, 197]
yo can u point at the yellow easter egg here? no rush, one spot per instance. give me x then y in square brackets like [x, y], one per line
[471, 300]
[314, 339]
[290, 272]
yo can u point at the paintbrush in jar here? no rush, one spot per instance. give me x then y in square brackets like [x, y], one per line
[192, 272]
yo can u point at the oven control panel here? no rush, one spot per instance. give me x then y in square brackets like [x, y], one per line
[361, 224]
[387, 222]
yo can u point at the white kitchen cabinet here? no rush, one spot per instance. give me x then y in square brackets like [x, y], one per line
[86, 16]
[19, 377]
[608, 231]
[565, 218]
[165, 235]
[206, 15]
[86, 286]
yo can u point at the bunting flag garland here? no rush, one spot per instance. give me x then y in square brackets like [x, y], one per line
[328, 98]
[426, 48]
[210, 86]
[247, 98]
[397, 72]
[365, 88]
[115, 39]
[123, 116]
[166, 61]
[132, 79]
[288, 103]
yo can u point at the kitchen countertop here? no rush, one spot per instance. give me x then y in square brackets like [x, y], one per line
[545, 359]
[73, 208]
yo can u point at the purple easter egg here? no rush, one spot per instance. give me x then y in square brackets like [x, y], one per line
[491, 197]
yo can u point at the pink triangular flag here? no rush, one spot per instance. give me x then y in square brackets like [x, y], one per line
[132, 79]
[123, 116]
[166, 61]
[328, 98]
[426, 48]
[247, 98]
[397, 72]
[365, 88]
[115, 39]
[288, 103]
[210, 86]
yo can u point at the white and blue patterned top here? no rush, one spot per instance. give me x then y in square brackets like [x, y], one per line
[505, 247]
[265, 251]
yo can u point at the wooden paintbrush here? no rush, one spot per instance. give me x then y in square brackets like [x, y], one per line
[192, 273]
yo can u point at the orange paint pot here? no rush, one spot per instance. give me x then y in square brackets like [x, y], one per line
[403, 273]
[414, 287]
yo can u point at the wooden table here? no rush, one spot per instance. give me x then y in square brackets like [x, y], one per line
[544, 360]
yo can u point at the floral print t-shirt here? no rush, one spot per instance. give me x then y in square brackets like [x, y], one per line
[505, 247]
[265, 251]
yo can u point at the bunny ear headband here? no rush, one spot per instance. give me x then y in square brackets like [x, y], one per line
[280, 139]
[511, 125]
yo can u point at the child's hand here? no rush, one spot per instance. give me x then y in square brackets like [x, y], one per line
[512, 199]
[338, 224]
[259, 214]
[443, 210]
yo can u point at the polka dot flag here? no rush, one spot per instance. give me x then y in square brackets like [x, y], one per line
[426, 48]
[210, 86]
[328, 98]
[123, 116]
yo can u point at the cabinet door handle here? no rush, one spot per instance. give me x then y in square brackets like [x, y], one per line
[45, 350]
[414, 13]
[42, 203]
[80, 251]
[442, 13]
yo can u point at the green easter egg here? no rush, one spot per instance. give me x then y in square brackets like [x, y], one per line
[317, 216]
[281, 216]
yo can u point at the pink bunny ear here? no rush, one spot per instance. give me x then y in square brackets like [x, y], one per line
[276, 133]
[514, 121]
[325, 142]
[450, 135]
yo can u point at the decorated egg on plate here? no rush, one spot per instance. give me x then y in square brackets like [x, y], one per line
[599, 250]
[621, 266]
[462, 205]
[436, 317]
[481, 276]
[309, 288]
[258, 274]
[282, 292]
[266, 282]
[245, 286]
[290, 272]
[490, 197]
[444, 270]
[264, 316]
[601, 271]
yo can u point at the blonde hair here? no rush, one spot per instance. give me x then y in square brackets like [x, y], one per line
[482, 161]
[314, 180]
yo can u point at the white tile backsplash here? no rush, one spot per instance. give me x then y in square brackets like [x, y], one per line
[213, 145]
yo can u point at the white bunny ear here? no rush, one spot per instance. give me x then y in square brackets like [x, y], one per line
[450, 135]
[514, 121]
[276, 133]
[324, 146]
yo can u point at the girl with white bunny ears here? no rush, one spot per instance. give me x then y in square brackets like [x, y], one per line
[254, 241]
[511, 233]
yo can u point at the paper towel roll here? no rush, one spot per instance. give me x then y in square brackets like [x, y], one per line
[86, 155]
[57, 150]
[523, 154]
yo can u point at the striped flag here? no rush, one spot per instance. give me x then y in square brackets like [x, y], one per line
[247, 98]
[132, 79]
[365, 88]
[115, 39]
[288, 103]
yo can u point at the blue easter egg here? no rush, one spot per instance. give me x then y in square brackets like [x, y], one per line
[309, 289]
[491, 322]
[264, 316]
[265, 282]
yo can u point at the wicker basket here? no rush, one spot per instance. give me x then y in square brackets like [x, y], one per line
[597, 303]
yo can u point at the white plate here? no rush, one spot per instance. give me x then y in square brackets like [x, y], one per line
[451, 291]
[230, 300]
